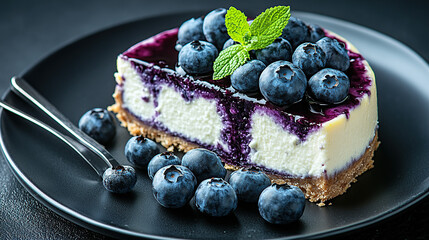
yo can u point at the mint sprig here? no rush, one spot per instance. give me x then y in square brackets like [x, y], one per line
[262, 32]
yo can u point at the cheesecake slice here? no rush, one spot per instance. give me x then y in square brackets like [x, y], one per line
[321, 149]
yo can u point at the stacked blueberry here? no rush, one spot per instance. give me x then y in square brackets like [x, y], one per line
[140, 150]
[200, 40]
[173, 186]
[249, 183]
[204, 164]
[99, 124]
[161, 160]
[119, 179]
[281, 203]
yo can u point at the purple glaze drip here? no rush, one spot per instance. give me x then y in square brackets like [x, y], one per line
[235, 111]
[157, 52]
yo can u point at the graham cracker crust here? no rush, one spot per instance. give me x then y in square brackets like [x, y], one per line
[315, 188]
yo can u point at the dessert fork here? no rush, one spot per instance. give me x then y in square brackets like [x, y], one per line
[116, 178]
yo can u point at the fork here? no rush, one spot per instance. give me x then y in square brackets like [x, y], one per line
[83, 151]
[90, 150]
[28, 93]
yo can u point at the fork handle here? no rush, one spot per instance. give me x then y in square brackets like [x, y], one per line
[27, 92]
[99, 166]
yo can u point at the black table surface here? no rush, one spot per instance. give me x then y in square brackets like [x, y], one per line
[30, 30]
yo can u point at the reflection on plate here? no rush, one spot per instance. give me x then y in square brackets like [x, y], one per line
[79, 77]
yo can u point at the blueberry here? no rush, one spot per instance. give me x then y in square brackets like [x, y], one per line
[281, 204]
[336, 53]
[204, 164]
[282, 83]
[120, 179]
[139, 150]
[246, 77]
[161, 160]
[99, 124]
[191, 30]
[309, 57]
[295, 31]
[315, 33]
[215, 197]
[173, 186]
[280, 49]
[214, 27]
[248, 184]
[229, 43]
[329, 86]
[197, 57]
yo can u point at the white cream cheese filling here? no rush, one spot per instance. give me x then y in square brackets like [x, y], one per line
[134, 91]
[197, 119]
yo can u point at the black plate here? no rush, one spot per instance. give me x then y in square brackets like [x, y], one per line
[80, 76]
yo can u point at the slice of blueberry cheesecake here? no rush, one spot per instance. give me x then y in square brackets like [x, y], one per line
[301, 106]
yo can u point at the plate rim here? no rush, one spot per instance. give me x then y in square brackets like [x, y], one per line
[104, 229]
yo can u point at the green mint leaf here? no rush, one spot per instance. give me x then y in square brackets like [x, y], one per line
[262, 32]
[268, 26]
[236, 24]
[229, 60]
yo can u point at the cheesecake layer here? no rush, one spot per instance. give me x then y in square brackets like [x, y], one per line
[308, 143]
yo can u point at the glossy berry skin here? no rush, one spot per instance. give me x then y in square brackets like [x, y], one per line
[280, 49]
[161, 160]
[204, 164]
[315, 33]
[120, 179]
[246, 77]
[99, 124]
[229, 43]
[336, 53]
[295, 31]
[197, 57]
[248, 184]
[282, 83]
[173, 186]
[281, 204]
[329, 86]
[309, 57]
[139, 151]
[191, 30]
[214, 27]
[215, 197]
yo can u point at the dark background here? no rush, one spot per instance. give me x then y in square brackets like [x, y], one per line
[30, 30]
